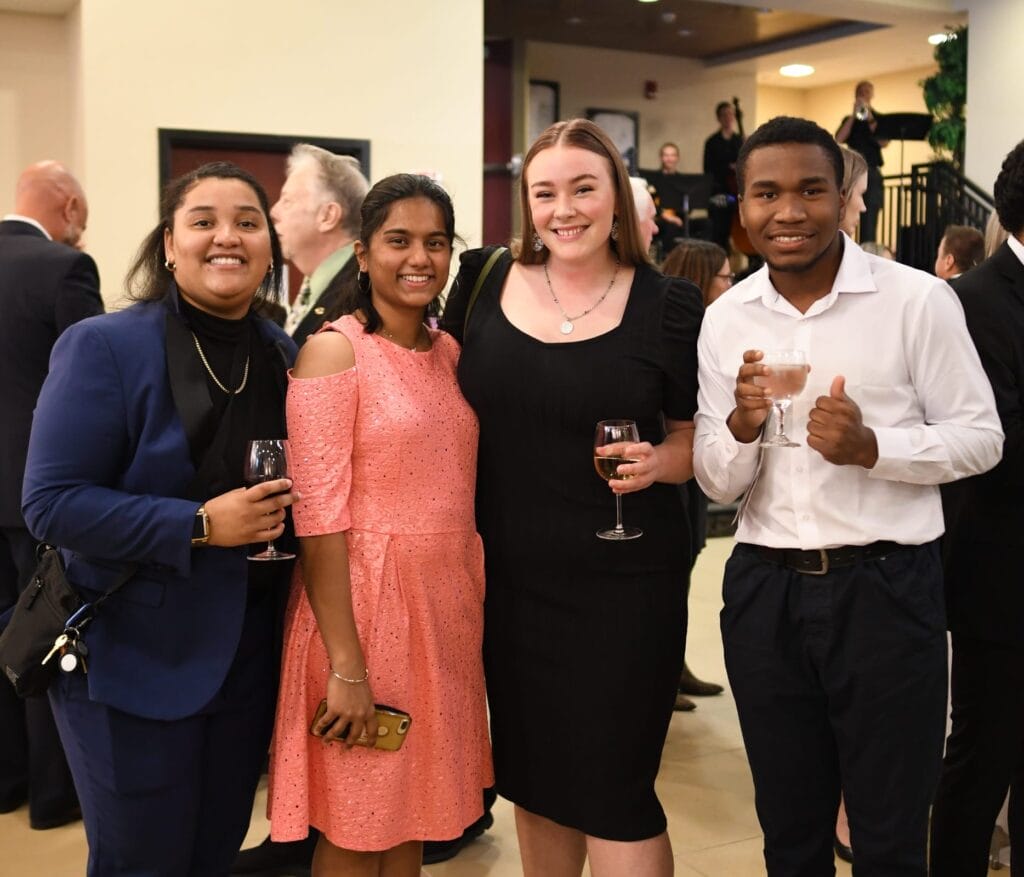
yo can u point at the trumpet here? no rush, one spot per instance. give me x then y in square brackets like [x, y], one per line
[862, 112]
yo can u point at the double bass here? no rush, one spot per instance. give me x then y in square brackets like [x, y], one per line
[740, 238]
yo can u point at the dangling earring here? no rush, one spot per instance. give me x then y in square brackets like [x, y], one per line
[615, 230]
[538, 244]
[170, 266]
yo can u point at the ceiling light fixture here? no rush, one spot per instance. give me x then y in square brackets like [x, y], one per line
[937, 39]
[574, 19]
[648, 1]
[796, 70]
[685, 32]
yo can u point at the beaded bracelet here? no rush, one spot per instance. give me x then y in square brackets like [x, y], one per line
[366, 676]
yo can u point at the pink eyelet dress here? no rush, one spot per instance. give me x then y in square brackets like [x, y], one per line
[386, 452]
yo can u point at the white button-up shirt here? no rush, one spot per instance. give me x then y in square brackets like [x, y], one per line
[898, 337]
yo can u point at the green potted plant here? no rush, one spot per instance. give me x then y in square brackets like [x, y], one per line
[945, 95]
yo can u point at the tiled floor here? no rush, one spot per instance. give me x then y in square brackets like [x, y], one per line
[704, 784]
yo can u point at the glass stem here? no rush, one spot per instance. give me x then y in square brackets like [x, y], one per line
[618, 513]
[270, 546]
[780, 432]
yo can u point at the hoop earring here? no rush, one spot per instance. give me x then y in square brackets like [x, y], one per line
[538, 244]
[170, 266]
[615, 230]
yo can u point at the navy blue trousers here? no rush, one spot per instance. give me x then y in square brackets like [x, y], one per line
[840, 684]
[174, 798]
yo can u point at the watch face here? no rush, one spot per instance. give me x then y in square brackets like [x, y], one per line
[199, 527]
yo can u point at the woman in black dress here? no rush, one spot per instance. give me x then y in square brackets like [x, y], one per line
[583, 637]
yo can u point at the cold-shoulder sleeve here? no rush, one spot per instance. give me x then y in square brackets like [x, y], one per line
[321, 420]
[682, 312]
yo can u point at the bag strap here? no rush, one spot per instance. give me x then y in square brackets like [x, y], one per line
[481, 277]
[87, 611]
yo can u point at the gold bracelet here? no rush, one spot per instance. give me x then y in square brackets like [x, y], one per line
[366, 676]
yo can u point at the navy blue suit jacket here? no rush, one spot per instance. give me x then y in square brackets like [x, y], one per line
[106, 479]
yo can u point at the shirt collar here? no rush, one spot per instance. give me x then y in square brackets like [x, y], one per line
[327, 269]
[17, 217]
[1017, 247]
[854, 275]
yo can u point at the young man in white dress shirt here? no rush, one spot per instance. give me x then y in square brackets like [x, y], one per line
[833, 624]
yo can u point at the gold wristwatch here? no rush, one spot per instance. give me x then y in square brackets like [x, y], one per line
[201, 527]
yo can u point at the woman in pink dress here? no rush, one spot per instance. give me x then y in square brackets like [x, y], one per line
[387, 607]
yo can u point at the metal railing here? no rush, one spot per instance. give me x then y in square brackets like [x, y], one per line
[920, 205]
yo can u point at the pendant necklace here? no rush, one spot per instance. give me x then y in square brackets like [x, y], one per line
[567, 321]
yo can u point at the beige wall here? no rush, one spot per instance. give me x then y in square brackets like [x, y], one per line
[894, 93]
[324, 72]
[995, 99]
[683, 112]
[35, 96]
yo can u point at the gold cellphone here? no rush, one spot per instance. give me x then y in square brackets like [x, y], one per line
[392, 727]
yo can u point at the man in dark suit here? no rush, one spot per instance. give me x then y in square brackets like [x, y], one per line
[45, 286]
[317, 219]
[985, 600]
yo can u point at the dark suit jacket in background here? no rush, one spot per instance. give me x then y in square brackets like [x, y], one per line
[335, 301]
[44, 288]
[985, 514]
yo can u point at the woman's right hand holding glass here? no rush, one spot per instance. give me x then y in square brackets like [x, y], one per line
[248, 515]
[752, 403]
[349, 705]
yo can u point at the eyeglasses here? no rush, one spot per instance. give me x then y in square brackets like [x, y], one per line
[730, 277]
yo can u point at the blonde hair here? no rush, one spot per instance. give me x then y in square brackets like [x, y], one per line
[854, 166]
[995, 234]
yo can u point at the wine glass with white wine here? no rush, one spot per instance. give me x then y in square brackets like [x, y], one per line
[786, 379]
[612, 432]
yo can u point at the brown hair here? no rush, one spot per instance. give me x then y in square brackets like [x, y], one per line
[965, 244]
[696, 260]
[584, 134]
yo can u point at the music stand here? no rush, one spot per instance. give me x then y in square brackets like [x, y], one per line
[903, 126]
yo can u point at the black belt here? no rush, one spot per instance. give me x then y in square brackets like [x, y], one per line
[819, 561]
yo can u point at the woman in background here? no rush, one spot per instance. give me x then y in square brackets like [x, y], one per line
[855, 184]
[136, 465]
[706, 265]
[388, 608]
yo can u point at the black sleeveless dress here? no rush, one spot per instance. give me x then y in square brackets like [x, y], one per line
[583, 638]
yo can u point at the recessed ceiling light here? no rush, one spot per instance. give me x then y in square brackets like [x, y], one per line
[796, 70]
[668, 17]
[937, 39]
[684, 32]
[574, 19]
[648, 1]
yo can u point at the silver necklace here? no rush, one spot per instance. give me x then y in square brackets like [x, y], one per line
[384, 331]
[213, 377]
[567, 321]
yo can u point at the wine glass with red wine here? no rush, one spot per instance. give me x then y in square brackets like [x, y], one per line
[266, 460]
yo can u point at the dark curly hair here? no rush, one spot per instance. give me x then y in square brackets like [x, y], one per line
[147, 278]
[789, 129]
[1009, 191]
[376, 207]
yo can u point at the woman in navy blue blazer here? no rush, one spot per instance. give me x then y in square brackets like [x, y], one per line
[136, 463]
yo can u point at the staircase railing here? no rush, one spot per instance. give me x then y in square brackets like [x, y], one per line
[920, 205]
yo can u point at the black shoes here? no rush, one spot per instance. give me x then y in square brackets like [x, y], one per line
[55, 820]
[691, 685]
[683, 703]
[435, 851]
[278, 859]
